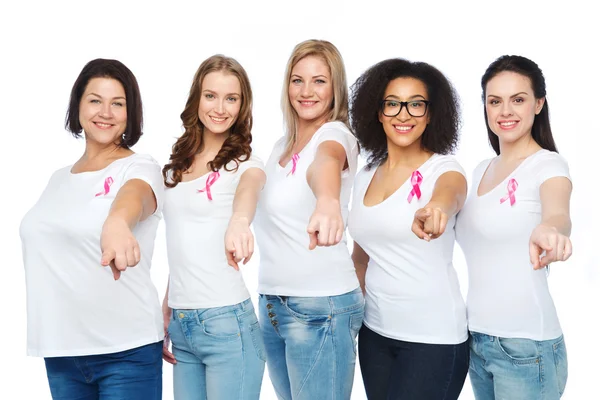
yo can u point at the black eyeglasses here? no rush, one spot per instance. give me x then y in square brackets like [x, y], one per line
[415, 108]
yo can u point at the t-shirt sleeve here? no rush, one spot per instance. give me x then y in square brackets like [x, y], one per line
[253, 162]
[148, 170]
[338, 133]
[550, 165]
[448, 164]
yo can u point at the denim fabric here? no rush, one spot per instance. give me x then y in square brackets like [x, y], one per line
[517, 369]
[399, 370]
[134, 374]
[311, 344]
[219, 351]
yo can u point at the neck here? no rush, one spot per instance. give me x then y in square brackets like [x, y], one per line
[212, 142]
[95, 151]
[411, 157]
[519, 149]
[306, 129]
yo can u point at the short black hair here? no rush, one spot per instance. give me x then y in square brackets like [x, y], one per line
[441, 134]
[541, 131]
[102, 68]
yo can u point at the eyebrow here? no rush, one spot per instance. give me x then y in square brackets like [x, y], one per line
[514, 95]
[413, 97]
[114, 98]
[227, 94]
[316, 76]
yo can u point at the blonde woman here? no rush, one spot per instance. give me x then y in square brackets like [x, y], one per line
[311, 305]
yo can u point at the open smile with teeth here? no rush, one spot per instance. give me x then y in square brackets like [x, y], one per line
[508, 124]
[308, 103]
[403, 128]
[102, 125]
[217, 120]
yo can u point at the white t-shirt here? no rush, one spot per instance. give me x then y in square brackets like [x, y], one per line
[74, 305]
[287, 266]
[195, 227]
[412, 290]
[507, 297]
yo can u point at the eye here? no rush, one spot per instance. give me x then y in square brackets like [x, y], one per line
[494, 102]
[297, 81]
[416, 104]
[519, 100]
[232, 99]
[391, 103]
[95, 101]
[320, 81]
[118, 104]
[209, 96]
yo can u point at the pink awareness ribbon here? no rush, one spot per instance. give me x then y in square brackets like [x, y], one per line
[295, 159]
[107, 182]
[512, 188]
[212, 178]
[415, 180]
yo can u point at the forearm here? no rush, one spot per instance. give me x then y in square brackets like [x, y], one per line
[447, 200]
[361, 272]
[325, 179]
[128, 207]
[244, 204]
[560, 222]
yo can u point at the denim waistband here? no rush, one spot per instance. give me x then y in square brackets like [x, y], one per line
[206, 313]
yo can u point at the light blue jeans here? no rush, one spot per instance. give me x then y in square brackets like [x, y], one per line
[311, 344]
[219, 351]
[517, 369]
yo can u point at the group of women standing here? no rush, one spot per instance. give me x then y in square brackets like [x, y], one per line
[397, 291]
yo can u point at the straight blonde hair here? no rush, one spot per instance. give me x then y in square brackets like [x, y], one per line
[339, 107]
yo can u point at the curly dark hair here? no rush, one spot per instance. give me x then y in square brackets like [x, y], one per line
[541, 131]
[441, 134]
[236, 147]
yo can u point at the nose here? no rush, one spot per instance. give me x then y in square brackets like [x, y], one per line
[403, 115]
[506, 109]
[219, 107]
[106, 110]
[306, 90]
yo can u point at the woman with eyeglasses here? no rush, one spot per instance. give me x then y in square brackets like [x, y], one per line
[514, 224]
[414, 342]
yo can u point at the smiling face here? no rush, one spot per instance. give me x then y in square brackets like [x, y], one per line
[404, 130]
[103, 111]
[310, 89]
[220, 102]
[511, 106]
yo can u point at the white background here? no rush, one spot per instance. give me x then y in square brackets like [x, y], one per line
[44, 45]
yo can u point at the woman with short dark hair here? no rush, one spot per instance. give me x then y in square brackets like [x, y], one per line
[99, 329]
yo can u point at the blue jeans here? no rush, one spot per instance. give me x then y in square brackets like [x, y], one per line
[219, 351]
[517, 369]
[311, 344]
[134, 374]
[400, 370]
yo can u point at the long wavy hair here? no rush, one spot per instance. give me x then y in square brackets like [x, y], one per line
[236, 147]
[332, 57]
[540, 131]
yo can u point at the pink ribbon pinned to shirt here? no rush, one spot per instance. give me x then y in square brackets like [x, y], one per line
[512, 188]
[212, 178]
[295, 159]
[107, 182]
[415, 181]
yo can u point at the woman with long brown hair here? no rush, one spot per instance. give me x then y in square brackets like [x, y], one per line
[213, 183]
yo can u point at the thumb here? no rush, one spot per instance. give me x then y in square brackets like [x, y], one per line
[534, 254]
[313, 240]
[422, 214]
[107, 257]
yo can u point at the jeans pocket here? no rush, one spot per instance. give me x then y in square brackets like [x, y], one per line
[224, 326]
[309, 310]
[519, 351]
[257, 340]
[561, 364]
[356, 320]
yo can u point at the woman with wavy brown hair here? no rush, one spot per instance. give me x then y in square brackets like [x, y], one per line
[213, 183]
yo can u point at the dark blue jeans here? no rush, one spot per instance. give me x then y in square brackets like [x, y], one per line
[398, 370]
[134, 374]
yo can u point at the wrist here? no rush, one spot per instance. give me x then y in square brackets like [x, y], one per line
[240, 218]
